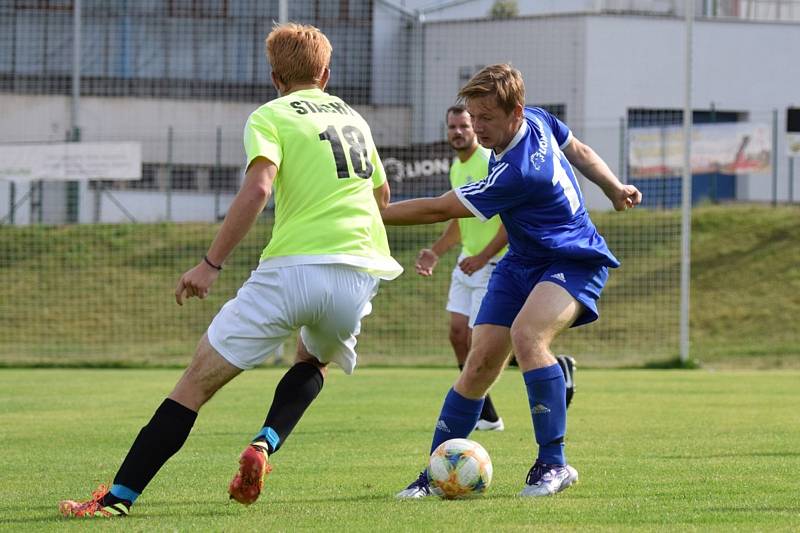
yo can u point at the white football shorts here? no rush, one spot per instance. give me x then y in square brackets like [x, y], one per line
[467, 292]
[325, 302]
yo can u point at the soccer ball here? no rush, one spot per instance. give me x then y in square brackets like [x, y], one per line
[459, 468]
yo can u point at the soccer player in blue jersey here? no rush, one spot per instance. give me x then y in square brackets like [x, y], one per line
[551, 277]
[483, 243]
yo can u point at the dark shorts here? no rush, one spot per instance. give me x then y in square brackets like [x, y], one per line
[512, 282]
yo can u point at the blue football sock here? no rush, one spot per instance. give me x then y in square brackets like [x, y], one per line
[457, 419]
[548, 403]
[123, 493]
[270, 436]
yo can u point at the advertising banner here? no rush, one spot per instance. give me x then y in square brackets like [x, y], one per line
[418, 170]
[729, 148]
[71, 161]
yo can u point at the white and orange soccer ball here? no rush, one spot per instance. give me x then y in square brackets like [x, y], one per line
[459, 468]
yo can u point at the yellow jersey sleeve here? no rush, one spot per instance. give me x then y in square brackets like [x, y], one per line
[261, 139]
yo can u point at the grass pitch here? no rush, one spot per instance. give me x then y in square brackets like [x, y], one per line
[656, 450]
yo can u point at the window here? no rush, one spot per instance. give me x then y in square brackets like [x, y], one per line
[643, 118]
[56, 5]
[149, 178]
[557, 110]
[197, 8]
[224, 179]
[184, 178]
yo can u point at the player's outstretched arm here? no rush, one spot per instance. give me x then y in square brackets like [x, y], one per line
[596, 170]
[425, 210]
[470, 265]
[242, 214]
[429, 257]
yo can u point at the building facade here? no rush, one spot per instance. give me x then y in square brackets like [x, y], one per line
[181, 76]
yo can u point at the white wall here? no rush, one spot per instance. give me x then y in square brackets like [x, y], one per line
[35, 118]
[391, 56]
[152, 206]
[737, 66]
[547, 50]
[602, 65]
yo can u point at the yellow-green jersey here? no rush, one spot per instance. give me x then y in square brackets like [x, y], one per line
[328, 166]
[475, 234]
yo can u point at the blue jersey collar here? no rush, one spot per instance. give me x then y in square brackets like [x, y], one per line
[523, 129]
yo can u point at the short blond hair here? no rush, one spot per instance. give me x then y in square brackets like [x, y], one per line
[298, 53]
[501, 80]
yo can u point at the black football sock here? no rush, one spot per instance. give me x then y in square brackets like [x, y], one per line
[487, 412]
[159, 440]
[110, 499]
[297, 389]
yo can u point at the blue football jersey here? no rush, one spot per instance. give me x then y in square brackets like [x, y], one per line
[533, 188]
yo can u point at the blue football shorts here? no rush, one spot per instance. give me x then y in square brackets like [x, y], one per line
[512, 282]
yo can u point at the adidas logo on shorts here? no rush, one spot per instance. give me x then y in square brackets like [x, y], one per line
[560, 277]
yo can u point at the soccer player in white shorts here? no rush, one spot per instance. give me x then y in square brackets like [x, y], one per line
[318, 273]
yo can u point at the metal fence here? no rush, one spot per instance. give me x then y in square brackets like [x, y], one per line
[88, 265]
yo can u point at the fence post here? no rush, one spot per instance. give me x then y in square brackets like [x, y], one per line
[219, 173]
[686, 191]
[622, 151]
[12, 201]
[98, 201]
[73, 187]
[169, 174]
[774, 157]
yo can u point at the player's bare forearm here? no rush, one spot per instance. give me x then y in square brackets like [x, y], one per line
[425, 210]
[244, 210]
[591, 165]
[496, 244]
[596, 170]
[449, 238]
[242, 214]
[429, 257]
[470, 265]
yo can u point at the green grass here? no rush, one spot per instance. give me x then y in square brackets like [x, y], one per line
[101, 295]
[656, 450]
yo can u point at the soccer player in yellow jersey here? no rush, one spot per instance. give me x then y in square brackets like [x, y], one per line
[318, 273]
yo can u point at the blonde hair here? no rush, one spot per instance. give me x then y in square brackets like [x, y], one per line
[501, 80]
[298, 53]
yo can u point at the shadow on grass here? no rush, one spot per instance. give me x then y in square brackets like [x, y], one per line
[752, 509]
[730, 456]
[672, 363]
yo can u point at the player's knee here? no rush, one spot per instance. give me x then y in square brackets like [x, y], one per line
[478, 375]
[313, 361]
[529, 341]
[459, 336]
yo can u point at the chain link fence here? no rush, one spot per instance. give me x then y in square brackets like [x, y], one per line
[88, 266]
